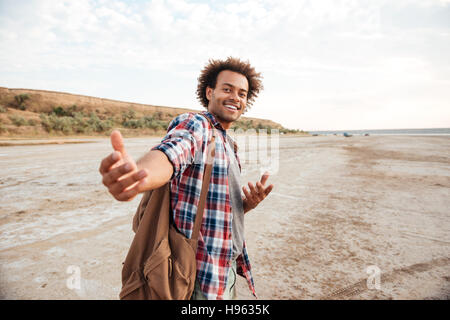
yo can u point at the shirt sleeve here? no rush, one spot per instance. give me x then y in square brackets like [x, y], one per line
[184, 141]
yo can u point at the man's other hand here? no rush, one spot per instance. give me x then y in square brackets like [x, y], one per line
[255, 195]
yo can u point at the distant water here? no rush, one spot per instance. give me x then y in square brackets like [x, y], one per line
[411, 132]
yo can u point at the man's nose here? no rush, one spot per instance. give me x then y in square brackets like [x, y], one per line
[235, 96]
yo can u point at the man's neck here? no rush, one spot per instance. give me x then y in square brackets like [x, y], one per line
[225, 124]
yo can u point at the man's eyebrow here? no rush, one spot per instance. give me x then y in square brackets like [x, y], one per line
[229, 84]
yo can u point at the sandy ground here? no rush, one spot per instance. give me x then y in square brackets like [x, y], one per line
[349, 218]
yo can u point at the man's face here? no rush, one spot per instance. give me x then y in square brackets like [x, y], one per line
[228, 99]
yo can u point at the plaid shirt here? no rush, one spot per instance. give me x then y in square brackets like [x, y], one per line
[185, 146]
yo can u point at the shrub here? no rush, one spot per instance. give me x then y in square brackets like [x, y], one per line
[20, 99]
[59, 111]
[2, 127]
[94, 122]
[99, 125]
[68, 112]
[145, 122]
[54, 123]
[77, 123]
[131, 123]
[131, 114]
[2, 109]
[158, 115]
[18, 121]
[243, 124]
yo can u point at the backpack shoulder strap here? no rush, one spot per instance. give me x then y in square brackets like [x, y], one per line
[211, 151]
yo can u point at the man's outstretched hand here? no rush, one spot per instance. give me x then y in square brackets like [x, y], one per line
[120, 173]
[256, 194]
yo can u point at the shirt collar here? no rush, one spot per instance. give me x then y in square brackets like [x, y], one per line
[214, 121]
[219, 126]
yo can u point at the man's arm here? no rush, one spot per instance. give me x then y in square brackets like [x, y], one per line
[159, 169]
[125, 179]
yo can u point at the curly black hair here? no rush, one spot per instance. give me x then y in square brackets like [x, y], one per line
[208, 78]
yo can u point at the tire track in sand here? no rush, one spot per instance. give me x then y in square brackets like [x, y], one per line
[359, 287]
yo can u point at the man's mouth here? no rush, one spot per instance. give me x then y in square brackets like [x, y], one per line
[231, 107]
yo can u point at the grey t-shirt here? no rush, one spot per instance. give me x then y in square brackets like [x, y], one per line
[234, 185]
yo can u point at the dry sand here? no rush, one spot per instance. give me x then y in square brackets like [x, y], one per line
[339, 206]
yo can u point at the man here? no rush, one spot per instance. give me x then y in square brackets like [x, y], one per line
[225, 89]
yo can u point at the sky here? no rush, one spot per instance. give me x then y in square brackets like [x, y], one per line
[326, 64]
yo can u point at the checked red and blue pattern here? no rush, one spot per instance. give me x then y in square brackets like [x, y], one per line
[185, 146]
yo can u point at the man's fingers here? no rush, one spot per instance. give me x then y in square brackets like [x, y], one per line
[268, 189]
[108, 162]
[127, 195]
[117, 142]
[255, 195]
[246, 193]
[137, 181]
[260, 190]
[123, 185]
[264, 178]
[120, 178]
[252, 189]
[114, 174]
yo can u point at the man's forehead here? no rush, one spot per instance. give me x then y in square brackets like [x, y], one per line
[233, 78]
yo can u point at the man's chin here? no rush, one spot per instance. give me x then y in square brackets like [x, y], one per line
[229, 118]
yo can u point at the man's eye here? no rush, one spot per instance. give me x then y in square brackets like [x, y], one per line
[226, 90]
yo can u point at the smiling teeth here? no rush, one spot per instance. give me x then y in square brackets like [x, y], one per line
[231, 107]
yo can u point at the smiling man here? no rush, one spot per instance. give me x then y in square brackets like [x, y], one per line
[226, 88]
[228, 99]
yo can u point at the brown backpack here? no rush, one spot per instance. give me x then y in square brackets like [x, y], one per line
[161, 262]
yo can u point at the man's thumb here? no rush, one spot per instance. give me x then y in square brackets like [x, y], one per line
[117, 141]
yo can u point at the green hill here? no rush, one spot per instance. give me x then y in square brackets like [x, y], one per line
[29, 113]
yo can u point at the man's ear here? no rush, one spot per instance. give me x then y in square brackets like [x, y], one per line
[209, 93]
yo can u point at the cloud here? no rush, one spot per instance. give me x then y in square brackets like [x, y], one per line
[325, 54]
[179, 32]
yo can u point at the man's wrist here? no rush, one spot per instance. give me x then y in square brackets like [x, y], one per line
[246, 207]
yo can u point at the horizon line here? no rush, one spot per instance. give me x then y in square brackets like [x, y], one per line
[379, 129]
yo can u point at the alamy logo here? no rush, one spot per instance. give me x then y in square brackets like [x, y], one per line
[259, 149]
[374, 279]
[74, 281]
